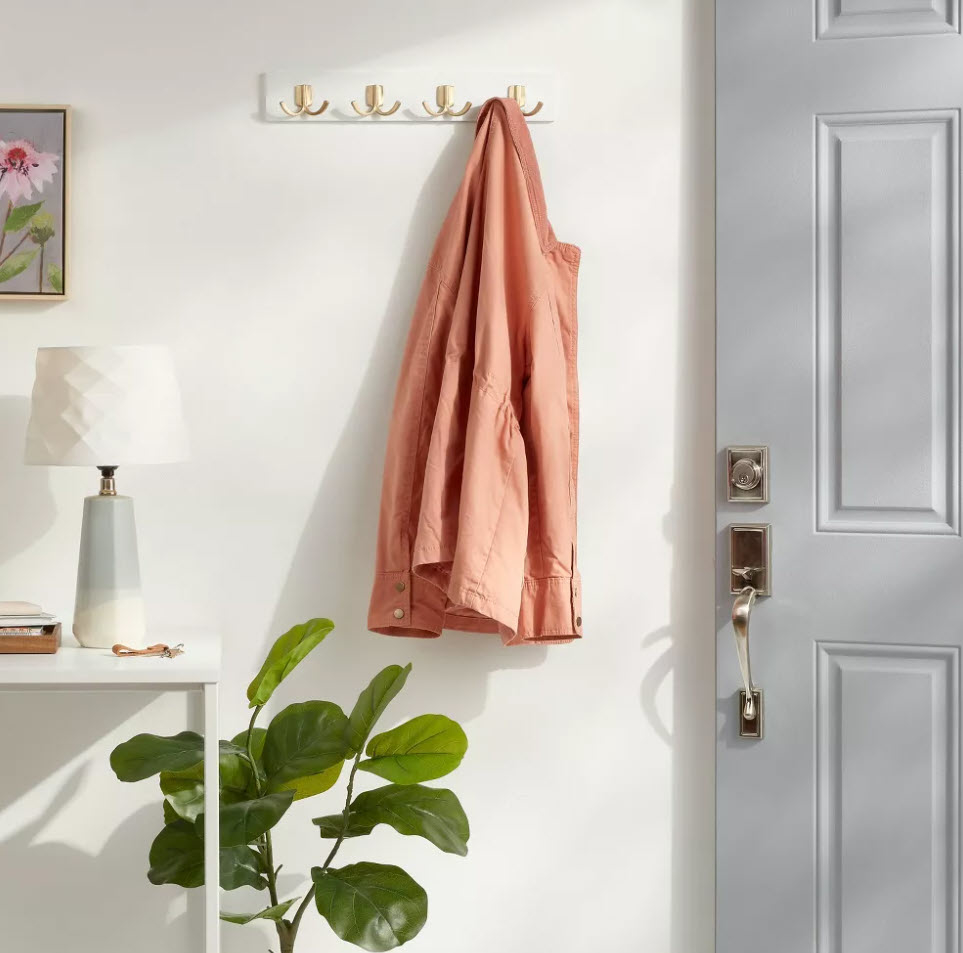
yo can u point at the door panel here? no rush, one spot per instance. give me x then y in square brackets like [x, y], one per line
[869, 18]
[887, 282]
[887, 868]
[838, 348]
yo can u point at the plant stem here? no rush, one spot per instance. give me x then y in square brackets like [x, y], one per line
[40, 278]
[268, 852]
[15, 247]
[3, 233]
[296, 922]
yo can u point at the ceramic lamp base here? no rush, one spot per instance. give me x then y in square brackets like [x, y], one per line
[109, 606]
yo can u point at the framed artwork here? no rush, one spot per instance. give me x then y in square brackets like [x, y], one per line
[34, 180]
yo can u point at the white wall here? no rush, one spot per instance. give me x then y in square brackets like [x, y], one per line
[281, 265]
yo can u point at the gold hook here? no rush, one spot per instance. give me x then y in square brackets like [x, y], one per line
[518, 94]
[303, 95]
[374, 96]
[445, 97]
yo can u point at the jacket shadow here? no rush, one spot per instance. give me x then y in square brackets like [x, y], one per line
[332, 568]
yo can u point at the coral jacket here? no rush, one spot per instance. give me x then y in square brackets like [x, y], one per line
[478, 506]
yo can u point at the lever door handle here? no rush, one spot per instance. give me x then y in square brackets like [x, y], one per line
[751, 698]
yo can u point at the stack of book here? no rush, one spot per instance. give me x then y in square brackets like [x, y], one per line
[26, 629]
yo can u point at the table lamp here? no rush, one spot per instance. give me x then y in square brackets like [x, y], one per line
[106, 407]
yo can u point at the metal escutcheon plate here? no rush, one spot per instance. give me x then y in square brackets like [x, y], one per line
[747, 474]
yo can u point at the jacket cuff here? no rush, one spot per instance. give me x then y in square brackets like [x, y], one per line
[403, 604]
[551, 610]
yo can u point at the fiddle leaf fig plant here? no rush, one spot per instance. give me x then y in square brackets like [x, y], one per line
[302, 753]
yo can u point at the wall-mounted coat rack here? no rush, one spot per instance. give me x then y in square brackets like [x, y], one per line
[378, 95]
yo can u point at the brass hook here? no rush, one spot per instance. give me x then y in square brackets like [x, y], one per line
[445, 97]
[303, 95]
[374, 97]
[518, 94]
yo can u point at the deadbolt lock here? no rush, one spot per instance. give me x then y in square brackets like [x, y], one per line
[747, 474]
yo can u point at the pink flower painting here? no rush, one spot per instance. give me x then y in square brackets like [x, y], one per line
[33, 198]
[23, 168]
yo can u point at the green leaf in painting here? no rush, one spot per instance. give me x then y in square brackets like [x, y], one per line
[286, 653]
[374, 906]
[271, 913]
[373, 701]
[244, 822]
[177, 857]
[427, 747]
[55, 275]
[15, 264]
[433, 813]
[20, 216]
[303, 740]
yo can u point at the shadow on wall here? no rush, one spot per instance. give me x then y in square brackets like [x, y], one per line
[689, 654]
[72, 896]
[27, 508]
[101, 886]
[343, 522]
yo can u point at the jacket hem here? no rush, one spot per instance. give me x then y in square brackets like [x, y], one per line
[404, 603]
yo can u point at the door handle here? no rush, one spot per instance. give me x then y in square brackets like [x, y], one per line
[750, 698]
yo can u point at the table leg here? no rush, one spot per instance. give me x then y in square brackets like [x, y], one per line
[212, 783]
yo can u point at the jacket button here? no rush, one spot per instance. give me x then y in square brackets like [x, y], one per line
[578, 620]
[399, 613]
[400, 586]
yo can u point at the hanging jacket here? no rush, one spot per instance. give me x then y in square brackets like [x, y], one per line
[478, 512]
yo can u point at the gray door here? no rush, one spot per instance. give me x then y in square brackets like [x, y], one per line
[838, 255]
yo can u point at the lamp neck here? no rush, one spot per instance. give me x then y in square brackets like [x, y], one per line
[107, 485]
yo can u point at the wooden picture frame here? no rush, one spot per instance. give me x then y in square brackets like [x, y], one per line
[34, 203]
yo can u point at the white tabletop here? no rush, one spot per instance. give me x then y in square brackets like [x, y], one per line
[74, 665]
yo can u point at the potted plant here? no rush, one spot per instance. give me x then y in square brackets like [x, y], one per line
[302, 753]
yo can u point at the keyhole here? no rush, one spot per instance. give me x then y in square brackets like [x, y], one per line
[746, 474]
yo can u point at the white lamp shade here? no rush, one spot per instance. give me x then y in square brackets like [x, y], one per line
[105, 406]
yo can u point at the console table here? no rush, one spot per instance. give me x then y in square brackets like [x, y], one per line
[97, 670]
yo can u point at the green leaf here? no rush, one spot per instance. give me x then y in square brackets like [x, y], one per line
[315, 784]
[289, 650]
[271, 913]
[427, 747]
[177, 857]
[184, 790]
[375, 906]
[16, 264]
[246, 821]
[373, 701]
[146, 755]
[303, 740]
[433, 813]
[241, 867]
[170, 814]
[55, 275]
[19, 217]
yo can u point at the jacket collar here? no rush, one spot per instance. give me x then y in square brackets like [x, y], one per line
[507, 111]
